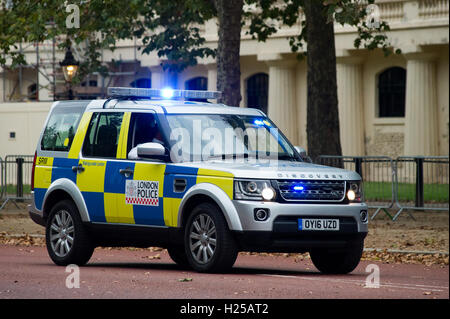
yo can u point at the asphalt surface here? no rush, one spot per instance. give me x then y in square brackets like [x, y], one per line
[28, 272]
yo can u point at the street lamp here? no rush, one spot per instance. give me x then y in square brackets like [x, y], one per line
[70, 68]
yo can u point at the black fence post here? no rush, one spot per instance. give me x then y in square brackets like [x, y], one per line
[419, 182]
[19, 189]
[358, 165]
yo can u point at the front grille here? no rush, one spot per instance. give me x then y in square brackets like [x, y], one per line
[313, 190]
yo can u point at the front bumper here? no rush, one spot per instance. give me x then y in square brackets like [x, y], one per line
[278, 211]
[280, 233]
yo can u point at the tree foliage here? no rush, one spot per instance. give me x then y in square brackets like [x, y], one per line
[267, 16]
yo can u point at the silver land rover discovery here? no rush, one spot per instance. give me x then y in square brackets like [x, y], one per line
[166, 168]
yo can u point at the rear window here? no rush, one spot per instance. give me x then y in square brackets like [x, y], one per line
[61, 127]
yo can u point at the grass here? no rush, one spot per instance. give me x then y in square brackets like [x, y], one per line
[373, 191]
[11, 189]
[382, 191]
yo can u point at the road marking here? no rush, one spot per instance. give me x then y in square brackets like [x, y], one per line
[362, 283]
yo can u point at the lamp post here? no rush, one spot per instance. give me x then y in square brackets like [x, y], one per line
[70, 68]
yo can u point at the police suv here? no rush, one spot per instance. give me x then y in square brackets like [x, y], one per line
[167, 168]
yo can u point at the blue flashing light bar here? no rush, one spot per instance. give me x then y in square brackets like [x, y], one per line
[165, 93]
[298, 188]
[258, 122]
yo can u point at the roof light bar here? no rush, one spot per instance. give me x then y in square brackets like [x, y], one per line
[164, 93]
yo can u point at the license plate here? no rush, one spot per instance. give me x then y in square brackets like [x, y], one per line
[318, 224]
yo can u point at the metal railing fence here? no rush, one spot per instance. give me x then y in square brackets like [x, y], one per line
[16, 178]
[404, 184]
[377, 174]
[2, 188]
[422, 183]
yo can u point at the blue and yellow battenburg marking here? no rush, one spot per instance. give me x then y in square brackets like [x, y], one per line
[146, 197]
[104, 189]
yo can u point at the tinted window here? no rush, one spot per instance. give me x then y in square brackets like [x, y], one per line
[102, 135]
[392, 92]
[61, 127]
[143, 129]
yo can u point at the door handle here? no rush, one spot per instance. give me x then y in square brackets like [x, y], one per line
[127, 172]
[78, 169]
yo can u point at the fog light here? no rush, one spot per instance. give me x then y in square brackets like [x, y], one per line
[261, 214]
[351, 195]
[364, 216]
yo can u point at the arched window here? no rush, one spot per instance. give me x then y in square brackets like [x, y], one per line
[198, 83]
[142, 83]
[392, 92]
[258, 91]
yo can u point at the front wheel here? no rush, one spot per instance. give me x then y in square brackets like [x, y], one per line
[66, 237]
[178, 255]
[209, 244]
[338, 262]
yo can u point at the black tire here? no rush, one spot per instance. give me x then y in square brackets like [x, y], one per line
[178, 255]
[338, 262]
[224, 248]
[81, 248]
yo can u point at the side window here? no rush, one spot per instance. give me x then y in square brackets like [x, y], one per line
[102, 135]
[143, 129]
[61, 127]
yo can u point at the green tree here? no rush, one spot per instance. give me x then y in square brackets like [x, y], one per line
[171, 29]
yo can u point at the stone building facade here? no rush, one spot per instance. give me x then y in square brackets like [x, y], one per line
[395, 105]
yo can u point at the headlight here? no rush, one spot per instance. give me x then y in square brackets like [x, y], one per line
[254, 190]
[354, 191]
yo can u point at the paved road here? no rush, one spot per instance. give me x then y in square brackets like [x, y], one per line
[27, 272]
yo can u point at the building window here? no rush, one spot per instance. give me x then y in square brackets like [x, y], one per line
[198, 83]
[142, 83]
[257, 91]
[89, 83]
[32, 92]
[392, 92]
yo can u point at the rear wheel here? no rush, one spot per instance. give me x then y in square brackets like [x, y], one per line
[209, 245]
[66, 237]
[338, 262]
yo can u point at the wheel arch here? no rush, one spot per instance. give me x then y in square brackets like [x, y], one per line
[62, 189]
[206, 192]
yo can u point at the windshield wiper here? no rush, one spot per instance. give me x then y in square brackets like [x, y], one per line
[228, 156]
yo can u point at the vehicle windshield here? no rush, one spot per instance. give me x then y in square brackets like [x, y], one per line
[204, 137]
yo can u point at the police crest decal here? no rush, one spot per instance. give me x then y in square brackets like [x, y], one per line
[142, 193]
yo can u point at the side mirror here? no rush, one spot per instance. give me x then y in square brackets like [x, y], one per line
[301, 151]
[303, 154]
[151, 150]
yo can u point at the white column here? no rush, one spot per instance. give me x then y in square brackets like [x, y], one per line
[158, 77]
[421, 122]
[282, 108]
[212, 77]
[45, 89]
[2, 85]
[351, 106]
[302, 103]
